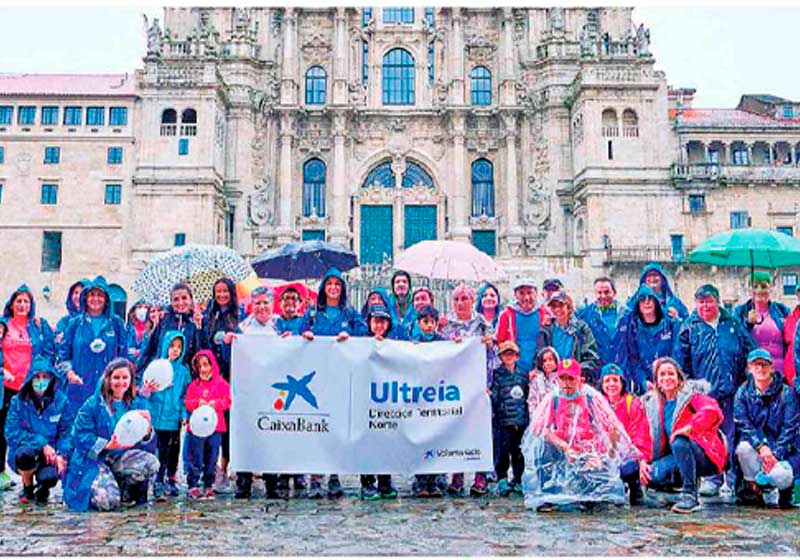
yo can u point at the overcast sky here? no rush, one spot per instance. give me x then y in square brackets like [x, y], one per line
[722, 51]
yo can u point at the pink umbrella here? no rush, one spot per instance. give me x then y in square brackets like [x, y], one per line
[449, 260]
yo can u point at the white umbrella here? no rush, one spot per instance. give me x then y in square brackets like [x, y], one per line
[449, 260]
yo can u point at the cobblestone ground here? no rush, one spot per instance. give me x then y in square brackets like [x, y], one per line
[450, 526]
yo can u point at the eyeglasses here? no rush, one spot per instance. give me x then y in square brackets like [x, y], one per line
[290, 298]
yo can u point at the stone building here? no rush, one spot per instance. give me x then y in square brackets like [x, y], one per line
[543, 136]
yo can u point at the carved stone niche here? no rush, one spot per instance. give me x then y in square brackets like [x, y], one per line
[261, 204]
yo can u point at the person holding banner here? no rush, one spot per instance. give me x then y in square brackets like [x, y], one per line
[332, 316]
[289, 321]
[101, 474]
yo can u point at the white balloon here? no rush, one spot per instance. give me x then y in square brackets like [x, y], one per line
[203, 421]
[159, 371]
[131, 428]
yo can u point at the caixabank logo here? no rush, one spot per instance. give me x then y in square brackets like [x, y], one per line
[294, 407]
[446, 453]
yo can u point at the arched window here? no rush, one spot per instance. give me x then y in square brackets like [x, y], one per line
[481, 84]
[630, 124]
[482, 188]
[415, 176]
[316, 85]
[609, 123]
[314, 188]
[169, 118]
[398, 78]
[381, 175]
[189, 116]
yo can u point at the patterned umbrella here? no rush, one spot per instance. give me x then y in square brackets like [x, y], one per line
[303, 260]
[197, 265]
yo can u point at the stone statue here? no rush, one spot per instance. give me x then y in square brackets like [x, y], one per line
[556, 19]
[642, 40]
[153, 38]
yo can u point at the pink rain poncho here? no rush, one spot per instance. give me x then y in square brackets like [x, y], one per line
[596, 446]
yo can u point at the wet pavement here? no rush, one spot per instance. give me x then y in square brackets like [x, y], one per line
[448, 526]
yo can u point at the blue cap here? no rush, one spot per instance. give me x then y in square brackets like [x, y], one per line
[379, 312]
[707, 290]
[759, 354]
[611, 369]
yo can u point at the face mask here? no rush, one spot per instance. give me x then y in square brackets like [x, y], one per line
[40, 385]
[571, 397]
[141, 314]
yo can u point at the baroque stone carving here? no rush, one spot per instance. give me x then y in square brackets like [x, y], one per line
[556, 19]
[642, 40]
[261, 204]
[316, 49]
[154, 38]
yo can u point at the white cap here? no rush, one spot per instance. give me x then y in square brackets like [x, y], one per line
[523, 283]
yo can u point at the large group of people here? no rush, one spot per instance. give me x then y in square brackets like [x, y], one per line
[598, 404]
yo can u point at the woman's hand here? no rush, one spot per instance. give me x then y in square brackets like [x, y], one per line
[308, 335]
[197, 317]
[74, 378]
[488, 340]
[768, 459]
[645, 473]
[342, 336]
[378, 337]
[685, 431]
[442, 323]
[286, 334]
[61, 465]
[457, 339]
[150, 387]
[228, 338]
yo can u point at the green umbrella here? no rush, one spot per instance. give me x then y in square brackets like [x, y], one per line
[751, 247]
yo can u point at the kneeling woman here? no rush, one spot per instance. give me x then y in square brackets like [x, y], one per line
[100, 477]
[684, 426]
[37, 430]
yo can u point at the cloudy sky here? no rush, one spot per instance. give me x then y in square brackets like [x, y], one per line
[722, 51]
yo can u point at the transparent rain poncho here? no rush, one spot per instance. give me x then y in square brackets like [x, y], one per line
[597, 447]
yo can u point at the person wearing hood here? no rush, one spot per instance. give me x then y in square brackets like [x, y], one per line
[182, 315]
[379, 297]
[100, 475]
[92, 339]
[655, 277]
[399, 302]
[713, 345]
[168, 414]
[522, 321]
[765, 411]
[646, 333]
[73, 305]
[603, 316]
[571, 337]
[764, 318]
[685, 431]
[201, 453]
[421, 297]
[332, 316]
[26, 336]
[630, 412]
[137, 329]
[38, 432]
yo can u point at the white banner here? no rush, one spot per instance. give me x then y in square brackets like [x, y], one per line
[359, 406]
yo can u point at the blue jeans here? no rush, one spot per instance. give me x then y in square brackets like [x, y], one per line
[687, 462]
[729, 429]
[200, 458]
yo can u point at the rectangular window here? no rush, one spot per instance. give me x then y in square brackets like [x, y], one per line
[789, 284]
[676, 242]
[2, 154]
[788, 112]
[52, 154]
[180, 239]
[739, 219]
[788, 230]
[485, 240]
[115, 155]
[49, 194]
[113, 194]
[740, 157]
[697, 203]
[50, 115]
[713, 157]
[51, 251]
[398, 15]
[183, 146]
[364, 62]
[366, 15]
[6, 114]
[313, 234]
[95, 116]
[72, 115]
[1, 193]
[26, 115]
[118, 116]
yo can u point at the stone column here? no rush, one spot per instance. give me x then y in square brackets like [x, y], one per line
[770, 154]
[685, 153]
[512, 195]
[288, 67]
[508, 65]
[793, 152]
[459, 191]
[749, 154]
[456, 57]
[286, 178]
[339, 230]
[340, 59]
[706, 150]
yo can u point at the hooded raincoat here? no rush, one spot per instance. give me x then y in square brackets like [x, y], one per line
[132, 339]
[40, 333]
[72, 309]
[167, 405]
[393, 303]
[667, 297]
[640, 344]
[38, 421]
[93, 428]
[324, 320]
[603, 324]
[396, 332]
[215, 389]
[89, 344]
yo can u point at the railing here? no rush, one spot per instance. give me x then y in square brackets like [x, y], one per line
[644, 254]
[610, 131]
[735, 173]
[188, 130]
[168, 129]
[630, 132]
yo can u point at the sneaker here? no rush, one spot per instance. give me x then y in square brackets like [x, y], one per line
[687, 503]
[334, 487]
[159, 492]
[545, 508]
[244, 488]
[282, 489]
[300, 488]
[785, 499]
[479, 486]
[503, 488]
[127, 498]
[709, 488]
[491, 477]
[221, 482]
[171, 488]
[388, 493]
[635, 495]
[518, 489]
[370, 493]
[194, 493]
[456, 487]
[421, 491]
[750, 495]
[5, 481]
[26, 496]
[209, 494]
[771, 497]
[315, 490]
[434, 490]
[42, 495]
